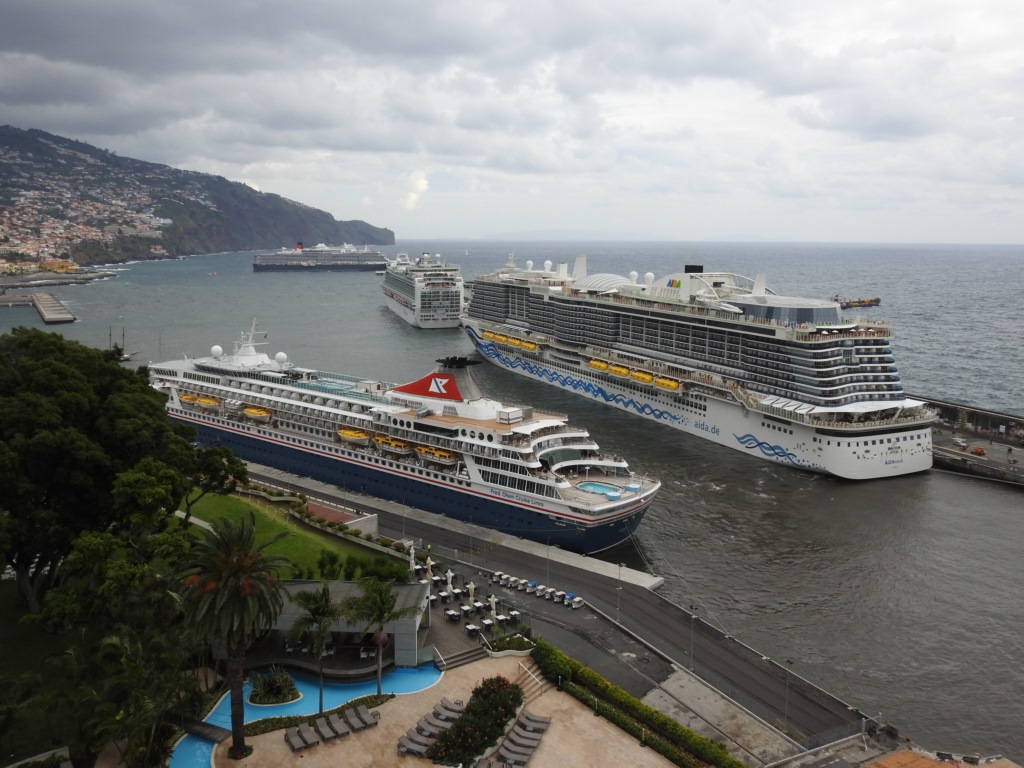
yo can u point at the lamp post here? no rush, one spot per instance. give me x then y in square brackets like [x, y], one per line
[785, 706]
[404, 510]
[693, 615]
[618, 595]
[547, 577]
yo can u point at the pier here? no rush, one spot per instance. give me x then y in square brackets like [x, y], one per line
[51, 309]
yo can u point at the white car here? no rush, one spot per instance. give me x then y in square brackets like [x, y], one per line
[959, 442]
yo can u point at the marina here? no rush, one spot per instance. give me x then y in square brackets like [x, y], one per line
[438, 441]
[717, 355]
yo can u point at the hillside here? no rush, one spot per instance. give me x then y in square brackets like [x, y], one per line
[64, 198]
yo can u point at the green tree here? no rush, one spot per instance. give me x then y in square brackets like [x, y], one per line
[231, 593]
[319, 614]
[375, 608]
[215, 470]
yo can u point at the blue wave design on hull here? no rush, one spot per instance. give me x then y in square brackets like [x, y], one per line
[768, 450]
[579, 386]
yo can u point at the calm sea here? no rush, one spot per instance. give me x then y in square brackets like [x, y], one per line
[904, 597]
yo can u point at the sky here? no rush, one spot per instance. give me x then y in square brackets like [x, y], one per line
[691, 120]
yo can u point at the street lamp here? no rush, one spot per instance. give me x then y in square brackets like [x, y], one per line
[618, 594]
[693, 614]
[785, 706]
[547, 578]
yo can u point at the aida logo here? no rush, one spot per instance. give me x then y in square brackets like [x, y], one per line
[438, 386]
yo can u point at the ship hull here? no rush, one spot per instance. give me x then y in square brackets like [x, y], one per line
[370, 266]
[416, 319]
[403, 482]
[727, 423]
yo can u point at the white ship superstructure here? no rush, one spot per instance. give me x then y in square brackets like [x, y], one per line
[714, 354]
[436, 443]
[426, 293]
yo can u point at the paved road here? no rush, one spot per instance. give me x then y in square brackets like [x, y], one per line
[769, 690]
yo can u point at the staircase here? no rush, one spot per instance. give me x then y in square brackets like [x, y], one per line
[532, 682]
[459, 658]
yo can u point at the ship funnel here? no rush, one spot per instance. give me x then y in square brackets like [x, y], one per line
[579, 269]
[759, 286]
[452, 381]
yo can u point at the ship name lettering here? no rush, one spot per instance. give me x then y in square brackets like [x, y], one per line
[704, 426]
[516, 497]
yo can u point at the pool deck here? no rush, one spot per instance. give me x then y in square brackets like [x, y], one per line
[575, 739]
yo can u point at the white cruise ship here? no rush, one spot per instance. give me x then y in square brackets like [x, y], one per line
[716, 355]
[437, 443]
[426, 293]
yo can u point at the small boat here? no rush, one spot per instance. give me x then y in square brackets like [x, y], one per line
[392, 444]
[529, 346]
[438, 455]
[599, 365]
[666, 383]
[642, 376]
[354, 436]
[488, 335]
[208, 402]
[500, 337]
[190, 399]
[515, 342]
[845, 303]
[618, 370]
[256, 413]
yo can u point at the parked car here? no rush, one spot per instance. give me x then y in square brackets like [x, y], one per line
[959, 442]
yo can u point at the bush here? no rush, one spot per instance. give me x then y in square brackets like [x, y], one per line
[512, 643]
[493, 704]
[274, 687]
[554, 664]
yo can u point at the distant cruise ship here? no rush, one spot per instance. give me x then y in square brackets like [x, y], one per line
[426, 293]
[320, 258]
[716, 355]
[436, 443]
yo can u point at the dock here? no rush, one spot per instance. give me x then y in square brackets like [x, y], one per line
[51, 309]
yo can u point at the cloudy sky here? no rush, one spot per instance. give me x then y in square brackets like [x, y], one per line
[876, 120]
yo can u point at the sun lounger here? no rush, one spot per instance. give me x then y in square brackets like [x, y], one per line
[511, 757]
[338, 725]
[454, 706]
[521, 739]
[353, 720]
[368, 717]
[510, 747]
[405, 747]
[424, 727]
[535, 718]
[308, 735]
[418, 738]
[530, 726]
[326, 732]
[293, 739]
[443, 713]
[441, 724]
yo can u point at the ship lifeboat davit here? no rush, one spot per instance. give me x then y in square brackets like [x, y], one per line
[354, 436]
[501, 338]
[515, 342]
[209, 402]
[618, 370]
[436, 455]
[392, 445]
[642, 376]
[488, 334]
[598, 365]
[256, 413]
[188, 399]
[666, 383]
[529, 346]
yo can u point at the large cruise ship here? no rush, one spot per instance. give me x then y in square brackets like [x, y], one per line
[436, 443]
[426, 293]
[716, 355]
[320, 258]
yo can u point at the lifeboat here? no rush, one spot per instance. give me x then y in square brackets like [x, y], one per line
[500, 337]
[256, 413]
[488, 335]
[529, 346]
[190, 399]
[598, 365]
[392, 444]
[208, 402]
[618, 370]
[642, 376]
[439, 455]
[354, 436]
[515, 342]
[666, 383]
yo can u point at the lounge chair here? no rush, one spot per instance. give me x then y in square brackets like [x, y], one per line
[535, 718]
[308, 734]
[518, 729]
[442, 713]
[338, 725]
[405, 747]
[323, 729]
[353, 720]
[426, 728]
[368, 717]
[512, 757]
[520, 740]
[418, 738]
[443, 725]
[454, 706]
[293, 739]
[510, 747]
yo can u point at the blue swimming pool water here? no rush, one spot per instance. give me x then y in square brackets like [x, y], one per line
[594, 487]
[194, 752]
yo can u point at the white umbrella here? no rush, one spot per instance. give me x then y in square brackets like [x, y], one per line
[471, 588]
[430, 567]
[449, 575]
[494, 605]
[412, 559]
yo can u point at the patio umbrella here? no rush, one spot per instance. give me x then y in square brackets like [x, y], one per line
[494, 605]
[412, 559]
[449, 575]
[430, 567]
[471, 588]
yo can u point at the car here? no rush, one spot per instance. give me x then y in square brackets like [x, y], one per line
[960, 443]
[979, 451]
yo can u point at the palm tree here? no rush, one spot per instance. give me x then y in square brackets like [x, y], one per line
[376, 607]
[320, 612]
[231, 594]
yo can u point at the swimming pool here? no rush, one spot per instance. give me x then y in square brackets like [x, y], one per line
[194, 752]
[594, 487]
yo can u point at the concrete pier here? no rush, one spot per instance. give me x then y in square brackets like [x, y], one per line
[51, 309]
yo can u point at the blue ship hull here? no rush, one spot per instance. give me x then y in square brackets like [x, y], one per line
[408, 484]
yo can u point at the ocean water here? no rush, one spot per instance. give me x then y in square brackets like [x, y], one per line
[904, 597]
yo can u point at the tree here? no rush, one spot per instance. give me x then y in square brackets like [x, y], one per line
[215, 470]
[231, 593]
[320, 612]
[375, 606]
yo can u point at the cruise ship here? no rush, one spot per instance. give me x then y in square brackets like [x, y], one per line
[320, 258]
[436, 443]
[426, 293]
[717, 355]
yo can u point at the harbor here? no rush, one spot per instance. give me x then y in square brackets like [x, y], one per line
[51, 309]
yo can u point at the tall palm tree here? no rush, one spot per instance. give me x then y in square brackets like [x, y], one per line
[320, 612]
[375, 607]
[231, 593]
